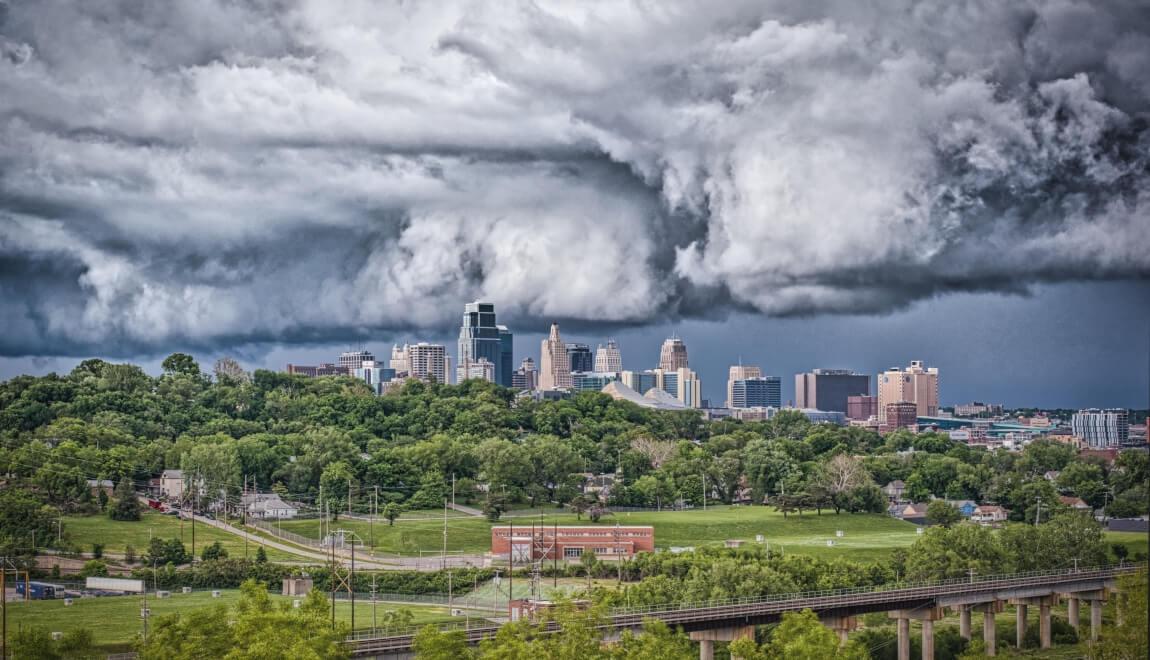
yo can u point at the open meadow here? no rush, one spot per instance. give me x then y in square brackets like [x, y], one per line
[116, 535]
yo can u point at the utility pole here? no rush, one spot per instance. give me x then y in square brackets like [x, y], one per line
[331, 544]
[1038, 511]
[453, 490]
[244, 517]
[351, 584]
[704, 475]
[445, 534]
[349, 498]
[374, 621]
[4, 607]
[195, 497]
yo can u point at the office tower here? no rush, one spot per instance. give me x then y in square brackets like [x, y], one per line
[977, 409]
[758, 392]
[506, 356]
[688, 388]
[554, 365]
[580, 358]
[375, 375]
[323, 369]
[399, 359]
[673, 355]
[524, 376]
[608, 359]
[668, 381]
[862, 407]
[428, 362]
[349, 361]
[828, 389]
[480, 369]
[481, 339]
[640, 381]
[1102, 428]
[739, 372]
[916, 384]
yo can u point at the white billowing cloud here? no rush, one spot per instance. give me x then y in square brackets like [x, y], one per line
[197, 173]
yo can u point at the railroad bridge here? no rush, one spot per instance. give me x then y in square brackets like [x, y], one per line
[729, 620]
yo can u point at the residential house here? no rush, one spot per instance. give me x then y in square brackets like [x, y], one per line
[267, 506]
[913, 512]
[988, 514]
[894, 490]
[172, 484]
[965, 507]
[1074, 503]
[598, 486]
[1051, 475]
[106, 485]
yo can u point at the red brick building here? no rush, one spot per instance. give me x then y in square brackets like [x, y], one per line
[525, 543]
[901, 415]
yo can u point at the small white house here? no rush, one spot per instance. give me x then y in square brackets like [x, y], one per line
[988, 514]
[172, 484]
[268, 506]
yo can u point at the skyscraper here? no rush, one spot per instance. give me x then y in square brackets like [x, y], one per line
[673, 355]
[828, 389]
[477, 370]
[608, 359]
[757, 392]
[640, 381]
[739, 372]
[554, 365]
[524, 376]
[506, 369]
[580, 358]
[352, 360]
[428, 362]
[688, 388]
[480, 338]
[916, 384]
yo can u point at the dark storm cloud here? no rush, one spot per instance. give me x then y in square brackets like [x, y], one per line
[208, 173]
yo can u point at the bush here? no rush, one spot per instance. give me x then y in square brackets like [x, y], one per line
[214, 552]
[171, 551]
[94, 568]
[97, 550]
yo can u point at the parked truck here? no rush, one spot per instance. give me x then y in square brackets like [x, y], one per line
[38, 590]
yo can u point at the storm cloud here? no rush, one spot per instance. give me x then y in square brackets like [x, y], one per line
[203, 173]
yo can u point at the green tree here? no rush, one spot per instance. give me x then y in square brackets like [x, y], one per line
[94, 568]
[126, 506]
[35, 643]
[261, 555]
[1128, 640]
[431, 643]
[391, 512]
[940, 512]
[180, 363]
[214, 551]
[799, 636]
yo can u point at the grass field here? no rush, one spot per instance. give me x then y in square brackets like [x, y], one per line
[115, 535]
[1135, 542]
[116, 619]
[866, 537]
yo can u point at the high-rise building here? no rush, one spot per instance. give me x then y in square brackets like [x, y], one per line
[399, 360]
[506, 357]
[480, 369]
[828, 389]
[323, 369]
[608, 359]
[688, 388]
[900, 415]
[739, 372]
[554, 365]
[916, 384]
[375, 375]
[580, 358]
[524, 376]
[640, 381]
[481, 339]
[673, 355]
[428, 362]
[862, 407]
[1102, 428]
[352, 360]
[757, 392]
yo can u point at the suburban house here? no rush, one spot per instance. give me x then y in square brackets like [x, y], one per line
[913, 512]
[267, 506]
[96, 485]
[598, 485]
[988, 514]
[965, 507]
[1051, 475]
[1075, 503]
[894, 489]
[526, 543]
[172, 484]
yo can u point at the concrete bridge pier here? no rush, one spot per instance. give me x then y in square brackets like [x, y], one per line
[1072, 611]
[927, 616]
[989, 633]
[1095, 620]
[1043, 603]
[964, 621]
[707, 638]
[842, 625]
[1097, 600]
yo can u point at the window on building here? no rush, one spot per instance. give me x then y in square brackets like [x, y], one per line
[572, 553]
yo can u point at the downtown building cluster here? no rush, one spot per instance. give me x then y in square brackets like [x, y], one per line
[902, 397]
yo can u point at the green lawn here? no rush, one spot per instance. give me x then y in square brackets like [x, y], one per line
[1135, 542]
[116, 619]
[115, 535]
[866, 537]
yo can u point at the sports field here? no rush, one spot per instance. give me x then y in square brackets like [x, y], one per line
[865, 536]
[116, 619]
[115, 535]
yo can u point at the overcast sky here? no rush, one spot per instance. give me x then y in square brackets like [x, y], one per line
[801, 182]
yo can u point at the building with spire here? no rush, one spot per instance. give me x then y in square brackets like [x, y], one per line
[554, 365]
[673, 355]
[608, 359]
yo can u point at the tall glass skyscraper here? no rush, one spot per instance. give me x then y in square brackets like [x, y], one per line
[580, 357]
[480, 338]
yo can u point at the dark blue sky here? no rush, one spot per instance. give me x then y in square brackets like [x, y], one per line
[1069, 345]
